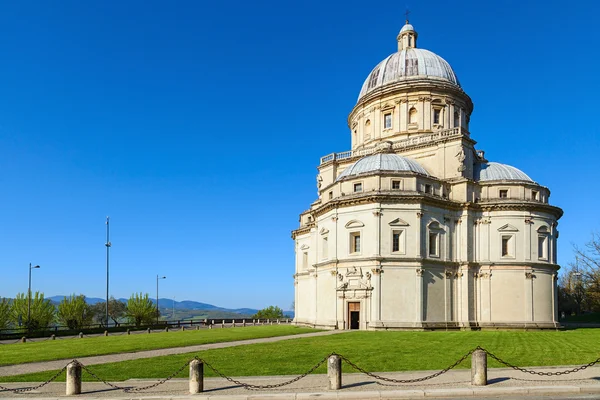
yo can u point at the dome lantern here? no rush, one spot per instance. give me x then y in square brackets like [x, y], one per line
[407, 38]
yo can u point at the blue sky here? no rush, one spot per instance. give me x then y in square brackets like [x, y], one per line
[197, 126]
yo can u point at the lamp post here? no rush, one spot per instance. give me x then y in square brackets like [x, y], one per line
[29, 296]
[157, 278]
[108, 244]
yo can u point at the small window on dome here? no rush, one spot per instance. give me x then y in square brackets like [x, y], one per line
[503, 193]
[412, 116]
[456, 119]
[396, 185]
[535, 195]
[436, 116]
[358, 187]
[387, 121]
[373, 80]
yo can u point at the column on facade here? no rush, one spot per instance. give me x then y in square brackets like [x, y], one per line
[397, 120]
[528, 295]
[528, 239]
[419, 296]
[448, 295]
[404, 116]
[376, 123]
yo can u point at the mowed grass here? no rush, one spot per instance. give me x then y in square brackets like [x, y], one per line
[374, 351]
[20, 353]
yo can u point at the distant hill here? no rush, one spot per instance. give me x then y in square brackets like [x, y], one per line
[187, 309]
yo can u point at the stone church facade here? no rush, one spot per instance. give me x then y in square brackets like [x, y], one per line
[413, 227]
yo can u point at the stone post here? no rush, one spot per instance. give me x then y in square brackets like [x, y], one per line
[73, 378]
[80, 335]
[23, 339]
[167, 328]
[479, 368]
[53, 337]
[210, 326]
[334, 372]
[105, 333]
[128, 332]
[233, 323]
[149, 330]
[196, 377]
[223, 324]
[244, 323]
[197, 327]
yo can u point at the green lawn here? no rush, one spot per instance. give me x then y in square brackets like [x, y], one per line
[374, 351]
[20, 353]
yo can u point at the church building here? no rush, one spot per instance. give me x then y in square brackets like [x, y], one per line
[413, 227]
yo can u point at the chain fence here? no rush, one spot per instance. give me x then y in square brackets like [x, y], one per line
[353, 365]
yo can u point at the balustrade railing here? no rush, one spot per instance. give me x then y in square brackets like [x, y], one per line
[397, 145]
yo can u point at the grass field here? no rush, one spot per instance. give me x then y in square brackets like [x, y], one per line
[374, 351]
[73, 348]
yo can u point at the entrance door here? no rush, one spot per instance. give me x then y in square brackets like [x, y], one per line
[354, 315]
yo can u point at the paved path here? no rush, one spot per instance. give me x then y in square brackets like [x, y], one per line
[503, 383]
[58, 364]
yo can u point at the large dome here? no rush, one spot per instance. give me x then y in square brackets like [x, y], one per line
[408, 64]
[382, 162]
[493, 171]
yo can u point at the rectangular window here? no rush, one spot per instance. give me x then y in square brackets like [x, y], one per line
[428, 189]
[396, 185]
[534, 195]
[503, 193]
[357, 187]
[305, 260]
[330, 195]
[387, 121]
[397, 241]
[433, 244]
[506, 246]
[436, 116]
[542, 248]
[355, 242]
[325, 247]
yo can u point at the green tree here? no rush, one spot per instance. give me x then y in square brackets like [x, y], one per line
[4, 313]
[271, 312]
[42, 311]
[116, 311]
[74, 312]
[140, 309]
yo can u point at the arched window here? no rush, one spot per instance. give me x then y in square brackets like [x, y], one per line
[412, 116]
[456, 119]
[368, 129]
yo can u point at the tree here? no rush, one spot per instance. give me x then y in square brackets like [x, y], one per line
[4, 313]
[140, 309]
[579, 287]
[116, 311]
[74, 312]
[42, 311]
[271, 312]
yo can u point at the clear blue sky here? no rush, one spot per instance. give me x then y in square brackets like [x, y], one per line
[197, 126]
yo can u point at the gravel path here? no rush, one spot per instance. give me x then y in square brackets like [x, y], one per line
[58, 364]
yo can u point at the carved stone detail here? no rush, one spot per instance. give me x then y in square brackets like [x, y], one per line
[420, 271]
[529, 275]
[377, 271]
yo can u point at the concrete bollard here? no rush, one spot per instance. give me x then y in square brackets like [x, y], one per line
[53, 337]
[149, 330]
[105, 333]
[479, 368]
[233, 324]
[334, 372]
[167, 328]
[278, 322]
[196, 377]
[128, 332]
[252, 322]
[80, 335]
[213, 322]
[223, 324]
[244, 323]
[73, 378]
[210, 327]
[197, 327]
[23, 339]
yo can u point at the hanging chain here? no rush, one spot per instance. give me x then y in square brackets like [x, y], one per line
[383, 378]
[255, 387]
[28, 389]
[532, 372]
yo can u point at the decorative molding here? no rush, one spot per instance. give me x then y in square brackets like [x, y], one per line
[354, 224]
[458, 274]
[508, 228]
[419, 214]
[398, 222]
[529, 221]
[419, 271]
[334, 219]
[449, 274]
[377, 213]
[530, 275]
[324, 231]
[304, 247]
[377, 271]
[333, 273]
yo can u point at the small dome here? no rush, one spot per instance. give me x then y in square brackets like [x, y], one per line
[408, 64]
[493, 171]
[407, 27]
[380, 163]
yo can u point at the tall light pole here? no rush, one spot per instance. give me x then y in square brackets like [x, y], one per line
[108, 244]
[29, 296]
[157, 278]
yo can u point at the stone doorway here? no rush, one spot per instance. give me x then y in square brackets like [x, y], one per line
[354, 315]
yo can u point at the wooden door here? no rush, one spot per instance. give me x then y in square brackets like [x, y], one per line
[354, 315]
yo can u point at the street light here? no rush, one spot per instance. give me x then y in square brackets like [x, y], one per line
[29, 296]
[157, 278]
[107, 244]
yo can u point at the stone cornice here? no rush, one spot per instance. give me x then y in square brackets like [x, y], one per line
[520, 205]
